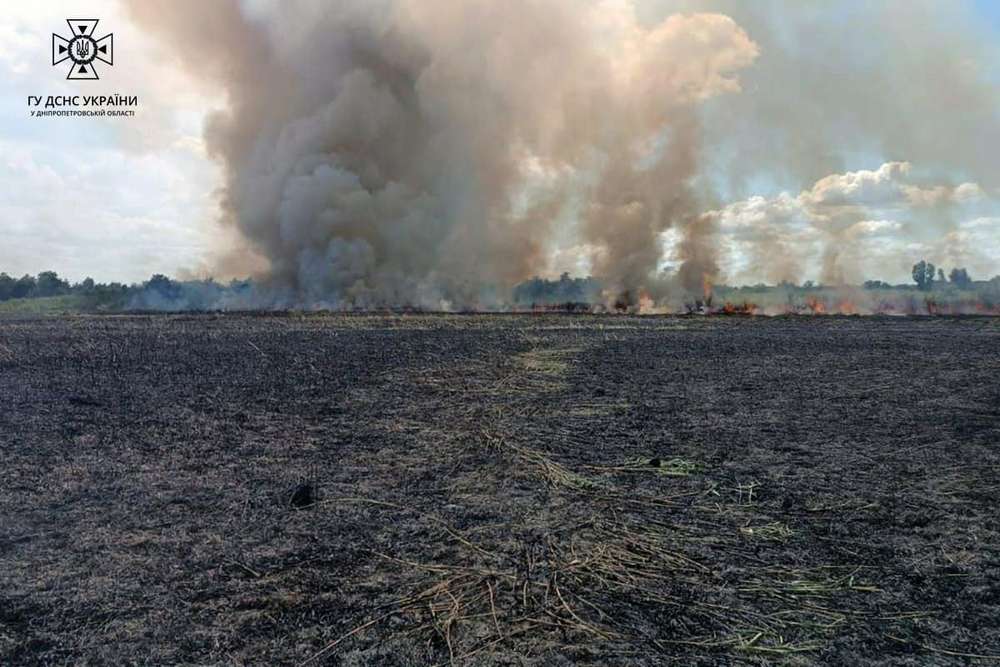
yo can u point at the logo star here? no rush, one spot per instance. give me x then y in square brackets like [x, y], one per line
[82, 49]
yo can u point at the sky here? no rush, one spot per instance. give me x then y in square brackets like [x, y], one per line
[989, 10]
[120, 199]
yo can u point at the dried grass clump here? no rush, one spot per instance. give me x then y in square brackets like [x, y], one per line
[613, 581]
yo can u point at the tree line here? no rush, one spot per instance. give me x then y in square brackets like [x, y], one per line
[163, 292]
[157, 293]
[925, 277]
[48, 284]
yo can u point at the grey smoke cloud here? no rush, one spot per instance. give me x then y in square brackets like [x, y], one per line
[424, 152]
[417, 152]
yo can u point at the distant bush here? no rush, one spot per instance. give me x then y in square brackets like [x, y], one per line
[566, 290]
[960, 278]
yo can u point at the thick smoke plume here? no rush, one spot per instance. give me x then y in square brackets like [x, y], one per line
[436, 152]
[419, 151]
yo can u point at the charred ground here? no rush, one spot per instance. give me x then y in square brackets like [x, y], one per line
[499, 490]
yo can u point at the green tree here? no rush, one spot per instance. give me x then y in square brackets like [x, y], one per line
[960, 277]
[920, 273]
[6, 287]
[923, 274]
[50, 284]
[23, 287]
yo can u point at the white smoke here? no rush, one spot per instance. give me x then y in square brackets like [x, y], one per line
[849, 224]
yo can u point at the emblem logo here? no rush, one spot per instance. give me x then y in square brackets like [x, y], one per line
[82, 49]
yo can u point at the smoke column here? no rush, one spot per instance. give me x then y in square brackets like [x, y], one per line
[418, 151]
[431, 152]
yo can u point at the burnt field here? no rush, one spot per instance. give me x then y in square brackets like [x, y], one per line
[499, 490]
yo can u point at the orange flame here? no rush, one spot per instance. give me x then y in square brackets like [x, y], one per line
[745, 308]
[646, 303]
[816, 306]
[846, 307]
